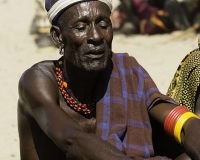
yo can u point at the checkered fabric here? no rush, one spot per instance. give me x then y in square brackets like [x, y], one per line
[125, 94]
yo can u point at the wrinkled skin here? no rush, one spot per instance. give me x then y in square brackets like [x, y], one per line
[87, 37]
[48, 128]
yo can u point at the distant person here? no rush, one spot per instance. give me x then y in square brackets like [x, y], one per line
[153, 16]
[41, 26]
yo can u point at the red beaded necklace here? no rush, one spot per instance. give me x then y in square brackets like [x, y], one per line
[78, 107]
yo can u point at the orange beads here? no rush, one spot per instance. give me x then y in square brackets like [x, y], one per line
[65, 84]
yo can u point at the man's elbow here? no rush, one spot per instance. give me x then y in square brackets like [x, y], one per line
[68, 140]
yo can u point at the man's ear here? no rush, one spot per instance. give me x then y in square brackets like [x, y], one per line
[56, 35]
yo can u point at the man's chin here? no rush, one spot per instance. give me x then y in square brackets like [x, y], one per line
[96, 66]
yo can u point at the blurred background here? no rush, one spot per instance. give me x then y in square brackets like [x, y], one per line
[24, 40]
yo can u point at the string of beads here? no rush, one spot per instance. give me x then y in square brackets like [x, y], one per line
[71, 102]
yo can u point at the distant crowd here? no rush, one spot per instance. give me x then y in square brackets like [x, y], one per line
[132, 17]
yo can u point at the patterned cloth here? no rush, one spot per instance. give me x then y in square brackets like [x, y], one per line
[125, 94]
[186, 80]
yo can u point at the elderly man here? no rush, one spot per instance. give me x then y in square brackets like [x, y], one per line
[94, 104]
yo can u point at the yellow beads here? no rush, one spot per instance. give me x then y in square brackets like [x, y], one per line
[60, 62]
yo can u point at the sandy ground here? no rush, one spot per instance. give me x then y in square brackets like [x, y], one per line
[158, 54]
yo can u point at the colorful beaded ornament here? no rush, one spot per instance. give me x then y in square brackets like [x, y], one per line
[85, 109]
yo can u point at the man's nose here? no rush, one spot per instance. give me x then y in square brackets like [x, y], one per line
[94, 34]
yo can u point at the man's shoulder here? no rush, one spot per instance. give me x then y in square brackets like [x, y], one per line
[42, 68]
[120, 54]
[46, 65]
[36, 82]
[39, 72]
[125, 57]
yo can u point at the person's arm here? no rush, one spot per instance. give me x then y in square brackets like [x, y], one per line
[190, 132]
[39, 96]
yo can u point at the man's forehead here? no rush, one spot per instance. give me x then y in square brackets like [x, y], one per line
[55, 7]
[85, 11]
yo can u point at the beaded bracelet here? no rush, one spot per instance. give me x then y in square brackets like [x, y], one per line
[175, 120]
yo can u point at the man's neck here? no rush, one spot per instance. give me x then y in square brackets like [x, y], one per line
[81, 84]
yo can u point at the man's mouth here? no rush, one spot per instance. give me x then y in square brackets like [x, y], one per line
[95, 53]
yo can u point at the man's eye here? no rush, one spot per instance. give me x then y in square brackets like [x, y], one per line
[103, 24]
[81, 27]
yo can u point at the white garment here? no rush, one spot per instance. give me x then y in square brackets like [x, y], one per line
[61, 4]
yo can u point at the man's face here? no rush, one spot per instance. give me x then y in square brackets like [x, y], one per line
[87, 35]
